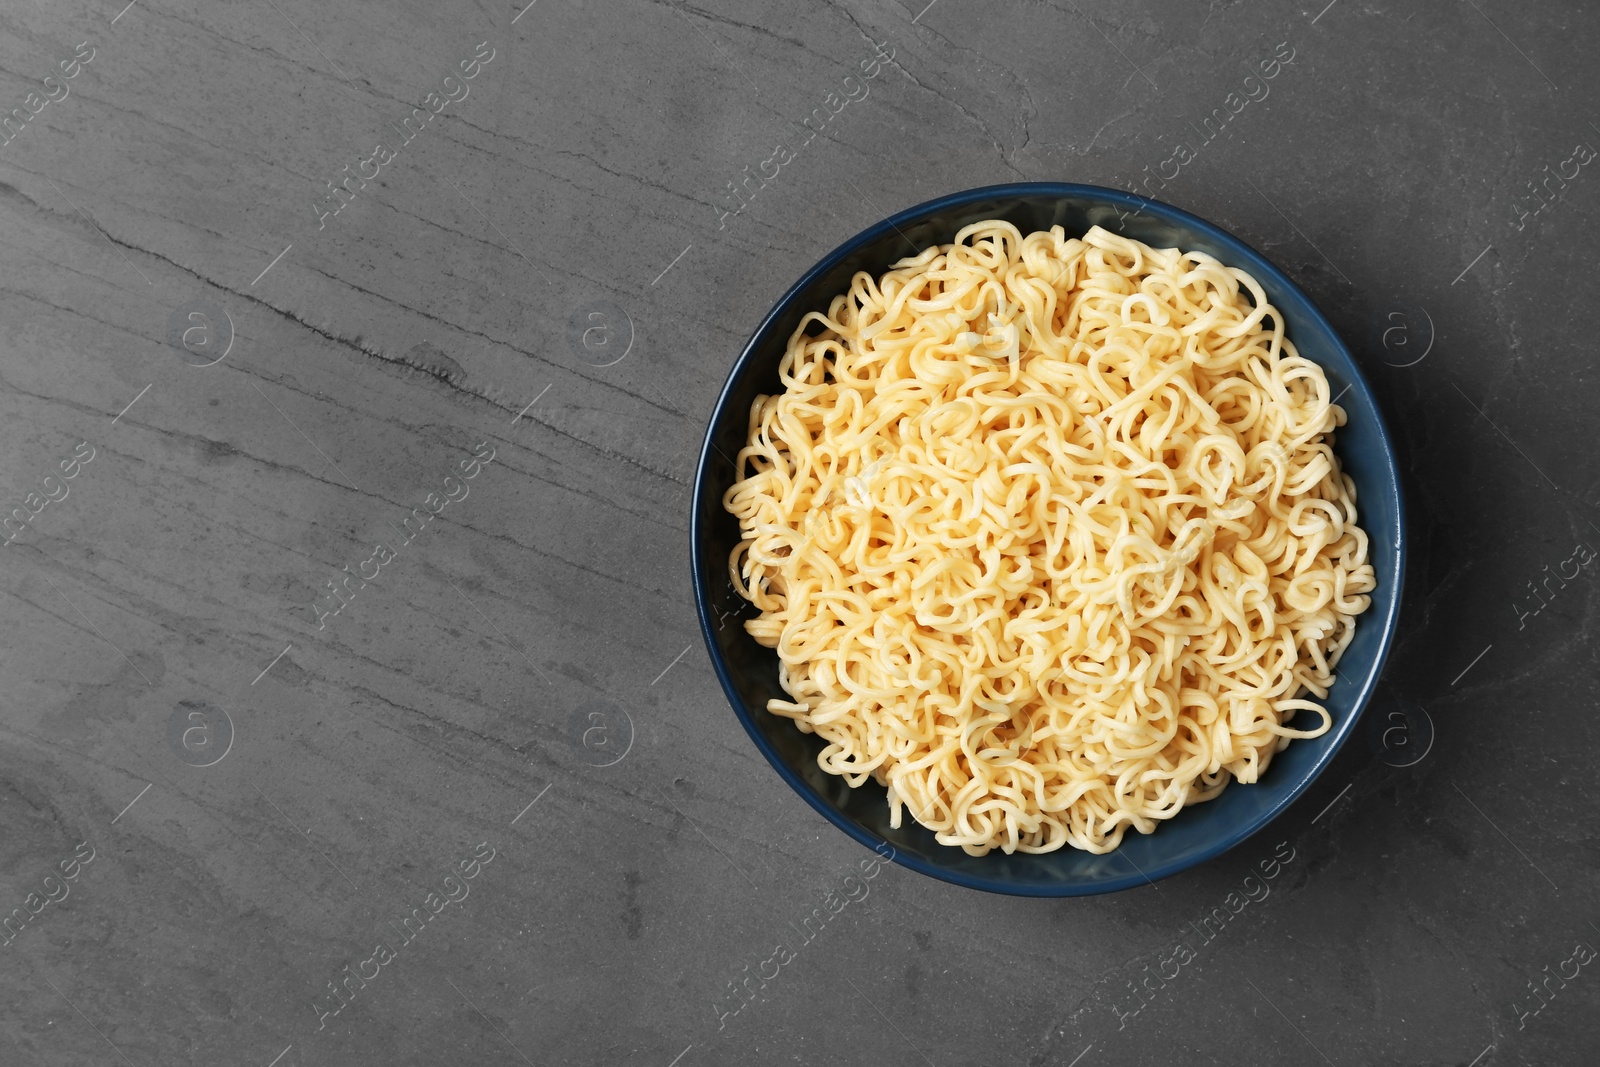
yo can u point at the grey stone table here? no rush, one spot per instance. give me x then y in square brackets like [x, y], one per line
[288, 281]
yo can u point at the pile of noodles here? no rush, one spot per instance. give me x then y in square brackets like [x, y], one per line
[1049, 536]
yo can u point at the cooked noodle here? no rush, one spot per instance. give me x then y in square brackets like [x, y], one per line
[1049, 536]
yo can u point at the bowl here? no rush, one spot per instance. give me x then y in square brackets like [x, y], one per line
[749, 673]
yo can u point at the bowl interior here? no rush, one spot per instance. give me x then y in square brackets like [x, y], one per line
[749, 672]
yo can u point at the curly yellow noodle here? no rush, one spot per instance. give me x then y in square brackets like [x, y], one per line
[1049, 536]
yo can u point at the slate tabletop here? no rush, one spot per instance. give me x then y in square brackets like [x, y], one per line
[356, 358]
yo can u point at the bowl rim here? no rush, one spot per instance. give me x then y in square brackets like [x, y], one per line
[1130, 203]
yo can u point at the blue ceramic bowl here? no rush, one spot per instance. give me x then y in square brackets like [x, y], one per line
[749, 672]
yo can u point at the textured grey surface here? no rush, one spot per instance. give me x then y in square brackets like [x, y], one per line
[535, 643]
